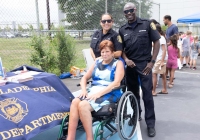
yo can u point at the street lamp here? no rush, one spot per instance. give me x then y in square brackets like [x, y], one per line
[159, 9]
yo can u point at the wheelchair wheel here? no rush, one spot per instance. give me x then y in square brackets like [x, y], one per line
[127, 116]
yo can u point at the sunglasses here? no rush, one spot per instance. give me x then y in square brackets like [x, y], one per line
[108, 21]
[127, 11]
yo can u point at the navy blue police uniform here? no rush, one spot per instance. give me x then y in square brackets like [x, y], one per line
[137, 39]
[111, 35]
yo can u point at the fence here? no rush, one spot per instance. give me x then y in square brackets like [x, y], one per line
[21, 19]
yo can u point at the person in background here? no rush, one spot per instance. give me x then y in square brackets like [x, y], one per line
[171, 30]
[186, 47]
[106, 33]
[160, 65]
[173, 54]
[180, 65]
[194, 51]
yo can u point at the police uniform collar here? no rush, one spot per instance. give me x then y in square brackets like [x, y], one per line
[138, 20]
[109, 32]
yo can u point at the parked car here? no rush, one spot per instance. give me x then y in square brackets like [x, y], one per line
[74, 35]
[25, 35]
[9, 35]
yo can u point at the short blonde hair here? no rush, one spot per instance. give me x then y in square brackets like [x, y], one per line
[196, 37]
[188, 33]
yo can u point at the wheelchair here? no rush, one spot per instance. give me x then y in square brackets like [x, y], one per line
[120, 117]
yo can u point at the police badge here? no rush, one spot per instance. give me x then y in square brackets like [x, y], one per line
[13, 109]
[153, 26]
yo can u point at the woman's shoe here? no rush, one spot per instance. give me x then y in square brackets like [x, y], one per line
[170, 85]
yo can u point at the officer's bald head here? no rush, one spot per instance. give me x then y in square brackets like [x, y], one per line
[129, 5]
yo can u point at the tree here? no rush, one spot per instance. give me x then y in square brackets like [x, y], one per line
[20, 28]
[30, 27]
[41, 26]
[85, 14]
[7, 28]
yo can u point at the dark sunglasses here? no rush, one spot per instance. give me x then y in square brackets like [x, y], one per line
[108, 21]
[127, 11]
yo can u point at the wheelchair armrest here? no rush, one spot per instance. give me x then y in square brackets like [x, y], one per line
[122, 86]
[87, 83]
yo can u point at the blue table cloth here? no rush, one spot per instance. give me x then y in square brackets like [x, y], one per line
[31, 107]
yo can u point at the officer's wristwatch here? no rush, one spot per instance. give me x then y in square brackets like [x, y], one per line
[153, 61]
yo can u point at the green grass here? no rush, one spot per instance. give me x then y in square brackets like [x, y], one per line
[16, 52]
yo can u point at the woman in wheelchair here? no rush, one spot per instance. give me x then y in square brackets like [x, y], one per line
[106, 74]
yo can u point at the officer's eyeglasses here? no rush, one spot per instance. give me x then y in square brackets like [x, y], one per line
[127, 11]
[108, 21]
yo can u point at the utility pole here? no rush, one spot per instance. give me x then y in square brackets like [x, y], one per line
[37, 15]
[159, 10]
[139, 8]
[106, 6]
[48, 17]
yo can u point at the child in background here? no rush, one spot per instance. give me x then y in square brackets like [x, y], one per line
[160, 65]
[173, 54]
[194, 51]
[180, 49]
[186, 47]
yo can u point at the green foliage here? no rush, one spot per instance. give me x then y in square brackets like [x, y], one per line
[164, 28]
[54, 56]
[42, 54]
[30, 27]
[20, 28]
[41, 26]
[7, 28]
[86, 14]
[65, 48]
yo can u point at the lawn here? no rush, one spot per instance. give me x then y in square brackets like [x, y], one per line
[15, 52]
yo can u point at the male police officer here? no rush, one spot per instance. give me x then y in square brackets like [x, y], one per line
[137, 36]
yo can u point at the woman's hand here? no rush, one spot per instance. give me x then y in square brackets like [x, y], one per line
[83, 94]
[162, 63]
[93, 97]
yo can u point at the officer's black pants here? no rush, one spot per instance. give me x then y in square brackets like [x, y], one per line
[132, 82]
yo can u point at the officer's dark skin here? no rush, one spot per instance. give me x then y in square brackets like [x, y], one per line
[131, 17]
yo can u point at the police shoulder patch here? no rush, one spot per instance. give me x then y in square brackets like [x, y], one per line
[119, 39]
[153, 26]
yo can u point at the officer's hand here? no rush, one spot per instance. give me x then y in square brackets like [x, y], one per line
[148, 68]
[130, 63]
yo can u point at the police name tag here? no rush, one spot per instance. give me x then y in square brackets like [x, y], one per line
[142, 30]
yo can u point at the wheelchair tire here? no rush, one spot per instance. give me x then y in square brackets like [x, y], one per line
[127, 116]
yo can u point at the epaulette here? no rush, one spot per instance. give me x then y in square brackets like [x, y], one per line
[144, 19]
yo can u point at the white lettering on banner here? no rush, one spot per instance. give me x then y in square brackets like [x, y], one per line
[15, 132]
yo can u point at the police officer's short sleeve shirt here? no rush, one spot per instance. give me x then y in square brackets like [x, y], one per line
[98, 36]
[137, 41]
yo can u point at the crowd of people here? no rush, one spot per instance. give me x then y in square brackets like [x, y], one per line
[142, 46]
[175, 48]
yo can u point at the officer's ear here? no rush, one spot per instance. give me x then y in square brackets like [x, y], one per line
[135, 10]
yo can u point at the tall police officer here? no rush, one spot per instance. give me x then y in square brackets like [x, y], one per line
[106, 33]
[137, 37]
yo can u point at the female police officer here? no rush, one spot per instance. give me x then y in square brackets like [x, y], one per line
[106, 33]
